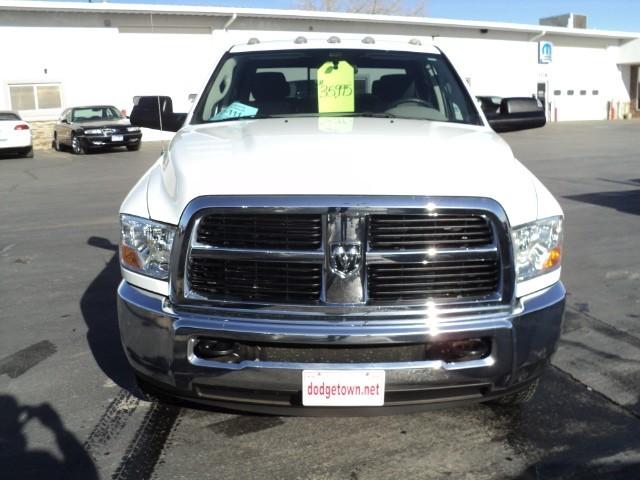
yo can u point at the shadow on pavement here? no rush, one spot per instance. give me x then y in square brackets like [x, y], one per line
[19, 462]
[626, 201]
[615, 471]
[572, 433]
[99, 310]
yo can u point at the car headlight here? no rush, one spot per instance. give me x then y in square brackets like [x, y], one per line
[145, 246]
[93, 131]
[537, 247]
[133, 129]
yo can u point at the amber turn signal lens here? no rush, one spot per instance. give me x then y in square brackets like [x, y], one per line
[553, 259]
[130, 257]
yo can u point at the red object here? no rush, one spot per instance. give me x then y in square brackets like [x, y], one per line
[22, 126]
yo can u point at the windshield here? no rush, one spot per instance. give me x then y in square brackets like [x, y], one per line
[8, 116]
[92, 114]
[326, 82]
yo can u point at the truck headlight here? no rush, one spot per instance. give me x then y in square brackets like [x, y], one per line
[145, 246]
[93, 131]
[537, 247]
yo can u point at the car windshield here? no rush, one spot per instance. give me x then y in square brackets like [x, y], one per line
[328, 82]
[92, 114]
[8, 116]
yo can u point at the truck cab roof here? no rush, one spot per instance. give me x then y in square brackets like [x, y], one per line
[360, 42]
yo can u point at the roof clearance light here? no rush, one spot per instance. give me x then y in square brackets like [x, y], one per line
[300, 40]
[368, 40]
[333, 39]
[415, 41]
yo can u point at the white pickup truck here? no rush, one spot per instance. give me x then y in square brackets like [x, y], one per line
[337, 228]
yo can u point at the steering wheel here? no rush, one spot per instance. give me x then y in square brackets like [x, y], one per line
[417, 101]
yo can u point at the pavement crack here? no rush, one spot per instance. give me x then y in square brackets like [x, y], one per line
[31, 174]
[627, 409]
[606, 328]
[5, 250]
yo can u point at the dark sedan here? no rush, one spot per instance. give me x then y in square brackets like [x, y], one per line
[94, 127]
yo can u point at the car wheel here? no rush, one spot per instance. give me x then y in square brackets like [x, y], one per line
[56, 143]
[28, 153]
[518, 398]
[133, 148]
[76, 146]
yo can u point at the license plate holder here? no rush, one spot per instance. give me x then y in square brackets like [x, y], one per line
[343, 388]
[117, 138]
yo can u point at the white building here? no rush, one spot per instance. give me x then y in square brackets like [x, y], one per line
[56, 55]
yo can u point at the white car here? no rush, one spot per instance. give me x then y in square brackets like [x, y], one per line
[15, 135]
[336, 227]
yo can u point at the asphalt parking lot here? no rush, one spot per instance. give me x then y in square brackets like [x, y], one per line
[69, 408]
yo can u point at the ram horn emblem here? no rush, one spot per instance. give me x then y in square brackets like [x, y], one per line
[346, 259]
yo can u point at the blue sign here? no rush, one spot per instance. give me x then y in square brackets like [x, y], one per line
[235, 110]
[545, 52]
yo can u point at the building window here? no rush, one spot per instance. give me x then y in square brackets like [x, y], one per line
[595, 92]
[569, 92]
[583, 92]
[35, 96]
[22, 98]
[557, 92]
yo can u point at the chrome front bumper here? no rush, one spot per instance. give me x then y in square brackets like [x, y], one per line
[158, 343]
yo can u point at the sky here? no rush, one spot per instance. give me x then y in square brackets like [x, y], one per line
[622, 15]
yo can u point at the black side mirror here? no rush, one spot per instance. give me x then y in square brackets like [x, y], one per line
[156, 112]
[517, 113]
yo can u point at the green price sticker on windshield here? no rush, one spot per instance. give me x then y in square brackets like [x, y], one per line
[336, 90]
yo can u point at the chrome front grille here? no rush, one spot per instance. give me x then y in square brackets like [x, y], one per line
[112, 130]
[448, 279]
[270, 231]
[415, 232]
[262, 281]
[285, 254]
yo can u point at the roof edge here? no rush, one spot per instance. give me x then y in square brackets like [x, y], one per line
[77, 7]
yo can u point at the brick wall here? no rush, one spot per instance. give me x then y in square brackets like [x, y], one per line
[42, 133]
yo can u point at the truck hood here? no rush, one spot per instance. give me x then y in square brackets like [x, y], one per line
[339, 156]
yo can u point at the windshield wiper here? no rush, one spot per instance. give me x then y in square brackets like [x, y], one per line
[243, 117]
[370, 115]
[313, 115]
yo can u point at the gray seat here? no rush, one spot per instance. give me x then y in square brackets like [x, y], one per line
[390, 88]
[270, 91]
